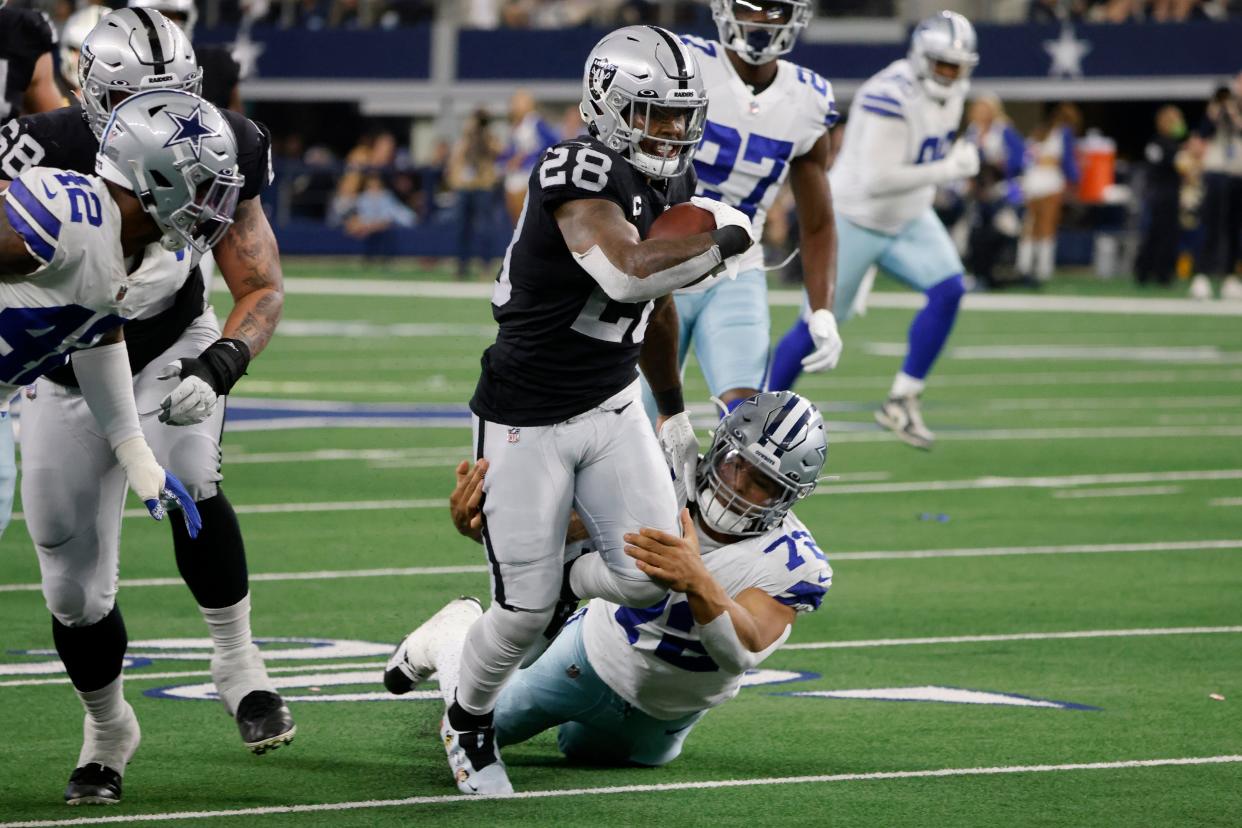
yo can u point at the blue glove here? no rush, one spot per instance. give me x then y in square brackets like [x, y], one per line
[174, 491]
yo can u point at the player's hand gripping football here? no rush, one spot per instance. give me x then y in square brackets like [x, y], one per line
[681, 452]
[155, 485]
[467, 498]
[675, 562]
[735, 244]
[828, 344]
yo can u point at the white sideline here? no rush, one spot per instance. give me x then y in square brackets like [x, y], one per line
[876, 555]
[135, 675]
[715, 784]
[1124, 491]
[793, 298]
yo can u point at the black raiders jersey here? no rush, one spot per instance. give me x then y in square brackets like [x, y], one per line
[563, 345]
[220, 74]
[25, 36]
[63, 139]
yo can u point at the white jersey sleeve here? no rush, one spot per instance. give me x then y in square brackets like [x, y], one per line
[56, 214]
[750, 139]
[653, 657]
[892, 124]
[71, 226]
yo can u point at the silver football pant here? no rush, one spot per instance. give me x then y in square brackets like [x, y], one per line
[73, 489]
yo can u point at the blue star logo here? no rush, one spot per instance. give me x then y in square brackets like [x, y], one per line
[190, 130]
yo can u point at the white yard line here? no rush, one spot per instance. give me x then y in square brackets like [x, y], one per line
[716, 784]
[831, 383]
[879, 555]
[1127, 491]
[1110, 403]
[793, 298]
[1057, 482]
[867, 643]
[1094, 433]
[1187, 354]
[1227, 501]
[982, 639]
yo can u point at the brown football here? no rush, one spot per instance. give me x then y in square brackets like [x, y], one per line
[681, 221]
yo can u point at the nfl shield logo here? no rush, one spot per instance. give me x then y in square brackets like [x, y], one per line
[514, 434]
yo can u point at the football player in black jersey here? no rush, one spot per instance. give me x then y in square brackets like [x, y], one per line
[182, 364]
[581, 301]
[26, 40]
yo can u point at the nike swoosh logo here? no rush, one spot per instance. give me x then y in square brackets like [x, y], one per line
[49, 193]
[622, 408]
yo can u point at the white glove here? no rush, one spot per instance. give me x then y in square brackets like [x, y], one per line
[963, 160]
[681, 452]
[828, 344]
[191, 402]
[725, 214]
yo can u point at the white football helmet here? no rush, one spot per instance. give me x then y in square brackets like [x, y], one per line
[635, 79]
[944, 38]
[182, 12]
[75, 30]
[761, 41]
[178, 155]
[765, 456]
[129, 51]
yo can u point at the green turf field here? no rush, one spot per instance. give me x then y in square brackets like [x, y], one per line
[1075, 536]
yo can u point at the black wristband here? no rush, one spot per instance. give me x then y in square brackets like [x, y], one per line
[669, 402]
[225, 361]
[731, 240]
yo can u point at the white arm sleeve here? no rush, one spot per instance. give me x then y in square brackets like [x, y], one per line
[622, 287]
[108, 388]
[720, 640]
[886, 138]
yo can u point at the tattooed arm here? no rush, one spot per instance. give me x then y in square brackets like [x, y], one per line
[249, 262]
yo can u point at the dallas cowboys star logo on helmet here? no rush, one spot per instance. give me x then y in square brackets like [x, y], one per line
[191, 130]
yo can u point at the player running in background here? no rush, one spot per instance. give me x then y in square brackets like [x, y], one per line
[628, 685]
[899, 146]
[581, 300]
[767, 120]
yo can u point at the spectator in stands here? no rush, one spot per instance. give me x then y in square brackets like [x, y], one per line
[994, 197]
[1221, 212]
[1157, 255]
[472, 177]
[1053, 11]
[1051, 168]
[529, 136]
[374, 216]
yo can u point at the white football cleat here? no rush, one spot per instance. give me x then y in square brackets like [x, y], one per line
[475, 760]
[1201, 288]
[411, 663]
[903, 416]
[106, 750]
[1231, 289]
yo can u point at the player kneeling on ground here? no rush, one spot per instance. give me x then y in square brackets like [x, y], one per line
[628, 685]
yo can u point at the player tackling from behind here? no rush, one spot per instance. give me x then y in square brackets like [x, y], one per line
[628, 685]
[581, 300]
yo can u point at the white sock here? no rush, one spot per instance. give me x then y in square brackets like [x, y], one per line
[229, 626]
[105, 737]
[905, 385]
[1026, 256]
[447, 661]
[1046, 259]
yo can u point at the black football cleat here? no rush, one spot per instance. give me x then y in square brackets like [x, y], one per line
[93, 784]
[264, 721]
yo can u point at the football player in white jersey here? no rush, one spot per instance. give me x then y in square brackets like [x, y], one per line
[627, 685]
[767, 120]
[899, 145]
[107, 249]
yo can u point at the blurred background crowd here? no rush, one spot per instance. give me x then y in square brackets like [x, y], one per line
[1133, 184]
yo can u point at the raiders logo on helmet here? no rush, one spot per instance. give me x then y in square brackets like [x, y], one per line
[602, 73]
